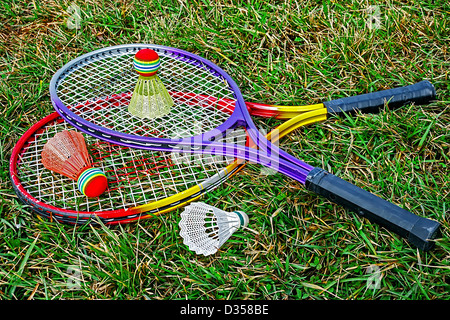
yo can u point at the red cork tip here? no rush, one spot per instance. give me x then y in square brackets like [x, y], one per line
[146, 55]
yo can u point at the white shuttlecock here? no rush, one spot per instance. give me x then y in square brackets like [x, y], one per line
[205, 228]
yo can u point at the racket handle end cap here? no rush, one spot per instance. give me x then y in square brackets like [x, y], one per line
[423, 233]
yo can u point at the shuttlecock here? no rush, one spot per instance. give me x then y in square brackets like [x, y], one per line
[66, 153]
[150, 98]
[205, 228]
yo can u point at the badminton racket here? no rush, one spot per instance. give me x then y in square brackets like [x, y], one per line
[78, 92]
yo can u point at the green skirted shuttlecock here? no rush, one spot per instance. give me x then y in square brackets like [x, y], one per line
[150, 98]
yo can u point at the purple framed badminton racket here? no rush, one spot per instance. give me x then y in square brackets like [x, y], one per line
[79, 91]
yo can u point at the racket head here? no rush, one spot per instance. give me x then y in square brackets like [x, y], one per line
[92, 93]
[82, 92]
[142, 183]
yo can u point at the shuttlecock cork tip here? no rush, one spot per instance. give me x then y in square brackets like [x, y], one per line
[146, 62]
[92, 182]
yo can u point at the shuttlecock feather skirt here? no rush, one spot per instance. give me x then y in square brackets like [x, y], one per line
[205, 229]
[150, 98]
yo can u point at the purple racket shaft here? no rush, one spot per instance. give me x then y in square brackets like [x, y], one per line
[190, 73]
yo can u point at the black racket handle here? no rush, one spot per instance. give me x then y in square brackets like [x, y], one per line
[420, 93]
[417, 230]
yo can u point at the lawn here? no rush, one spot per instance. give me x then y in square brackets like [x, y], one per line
[297, 245]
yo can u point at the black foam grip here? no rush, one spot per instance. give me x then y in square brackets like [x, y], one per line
[420, 93]
[417, 230]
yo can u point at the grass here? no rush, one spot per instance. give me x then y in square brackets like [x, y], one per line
[298, 245]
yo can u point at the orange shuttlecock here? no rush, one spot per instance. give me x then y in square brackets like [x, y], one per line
[66, 153]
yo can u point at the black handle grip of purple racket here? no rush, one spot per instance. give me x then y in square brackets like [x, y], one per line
[420, 93]
[417, 230]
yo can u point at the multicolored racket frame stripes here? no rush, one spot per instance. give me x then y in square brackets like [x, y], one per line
[91, 92]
